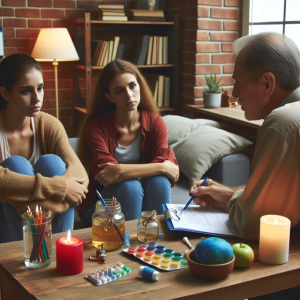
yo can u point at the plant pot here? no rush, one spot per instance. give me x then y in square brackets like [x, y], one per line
[212, 100]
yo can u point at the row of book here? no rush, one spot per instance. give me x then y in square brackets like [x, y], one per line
[106, 49]
[160, 86]
[150, 50]
[116, 12]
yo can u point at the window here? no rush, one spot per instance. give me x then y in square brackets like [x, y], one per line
[282, 16]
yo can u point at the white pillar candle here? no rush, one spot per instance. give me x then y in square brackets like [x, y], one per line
[274, 239]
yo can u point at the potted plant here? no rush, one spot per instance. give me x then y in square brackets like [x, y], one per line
[213, 93]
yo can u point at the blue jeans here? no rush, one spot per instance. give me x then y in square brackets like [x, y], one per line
[135, 196]
[50, 165]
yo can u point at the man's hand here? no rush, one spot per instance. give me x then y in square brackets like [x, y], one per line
[108, 173]
[211, 194]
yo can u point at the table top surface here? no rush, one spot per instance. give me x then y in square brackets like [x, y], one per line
[242, 283]
[234, 114]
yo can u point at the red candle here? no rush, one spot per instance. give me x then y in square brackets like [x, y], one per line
[69, 255]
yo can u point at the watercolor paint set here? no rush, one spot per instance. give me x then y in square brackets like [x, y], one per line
[159, 257]
[108, 274]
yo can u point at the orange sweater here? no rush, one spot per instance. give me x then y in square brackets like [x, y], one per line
[22, 190]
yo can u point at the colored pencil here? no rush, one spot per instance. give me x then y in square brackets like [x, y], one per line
[39, 240]
[44, 247]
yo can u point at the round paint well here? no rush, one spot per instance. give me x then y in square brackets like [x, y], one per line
[149, 253]
[147, 258]
[156, 256]
[155, 262]
[139, 254]
[168, 255]
[162, 248]
[184, 262]
[175, 264]
[164, 265]
[177, 257]
[131, 250]
[169, 251]
[142, 247]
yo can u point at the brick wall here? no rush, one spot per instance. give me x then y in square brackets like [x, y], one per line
[208, 28]
[21, 21]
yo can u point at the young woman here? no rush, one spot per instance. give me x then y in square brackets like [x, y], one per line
[124, 143]
[37, 164]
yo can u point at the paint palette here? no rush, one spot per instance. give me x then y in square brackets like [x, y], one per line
[108, 274]
[159, 257]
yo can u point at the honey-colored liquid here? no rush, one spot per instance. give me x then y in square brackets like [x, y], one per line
[107, 235]
[146, 237]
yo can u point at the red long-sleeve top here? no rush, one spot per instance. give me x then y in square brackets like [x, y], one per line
[102, 135]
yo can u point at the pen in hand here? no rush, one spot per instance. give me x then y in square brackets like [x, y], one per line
[188, 203]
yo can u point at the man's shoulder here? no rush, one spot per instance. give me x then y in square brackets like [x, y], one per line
[284, 119]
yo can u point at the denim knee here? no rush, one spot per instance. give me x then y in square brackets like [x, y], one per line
[128, 186]
[50, 165]
[18, 164]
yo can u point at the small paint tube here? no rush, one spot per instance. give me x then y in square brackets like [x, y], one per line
[104, 280]
[110, 274]
[120, 271]
[126, 269]
[148, 273]
[127, 241]
[94, 280]
[106, 272]
[108, 279]
[116, 273]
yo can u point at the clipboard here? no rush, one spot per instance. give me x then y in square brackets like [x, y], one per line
[171, 227]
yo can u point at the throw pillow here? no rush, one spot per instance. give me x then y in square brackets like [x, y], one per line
[198, 151]
[180, 127]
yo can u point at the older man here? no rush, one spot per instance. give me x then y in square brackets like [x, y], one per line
[266, 74]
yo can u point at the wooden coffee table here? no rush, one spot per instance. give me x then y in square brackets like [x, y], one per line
[18, 282]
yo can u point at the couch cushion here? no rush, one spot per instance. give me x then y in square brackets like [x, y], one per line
[180, 127]
[198, 151]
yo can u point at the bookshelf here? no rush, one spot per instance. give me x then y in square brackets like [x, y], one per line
[169, 28]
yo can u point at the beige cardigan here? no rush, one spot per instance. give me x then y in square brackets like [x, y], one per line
[22, 190]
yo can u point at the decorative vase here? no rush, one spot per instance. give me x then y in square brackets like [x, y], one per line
[212, 100]
[151, 4]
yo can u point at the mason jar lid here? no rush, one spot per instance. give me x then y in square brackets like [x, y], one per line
[108, 209]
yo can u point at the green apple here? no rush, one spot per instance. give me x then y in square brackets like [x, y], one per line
[244, 255]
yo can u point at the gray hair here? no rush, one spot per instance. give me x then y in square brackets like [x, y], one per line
[271, 52]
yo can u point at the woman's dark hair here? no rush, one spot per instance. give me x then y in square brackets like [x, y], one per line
[12, 68]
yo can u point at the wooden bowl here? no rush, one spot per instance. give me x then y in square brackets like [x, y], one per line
[209, 271]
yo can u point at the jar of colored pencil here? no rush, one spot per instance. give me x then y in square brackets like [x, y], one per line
[108, 225]
[147, 227]
[37, 238]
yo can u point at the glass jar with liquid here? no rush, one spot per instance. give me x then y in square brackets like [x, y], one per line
[147, 227]
[108, 225]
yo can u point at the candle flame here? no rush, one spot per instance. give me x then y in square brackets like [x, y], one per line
[69, 236]
[37, 209]
[275, 221]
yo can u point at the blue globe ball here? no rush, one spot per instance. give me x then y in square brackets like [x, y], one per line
[213, 251]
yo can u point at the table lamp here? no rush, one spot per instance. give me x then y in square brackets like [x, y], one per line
[54, 45]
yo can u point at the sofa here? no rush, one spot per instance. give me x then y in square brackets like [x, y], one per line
[202, 150]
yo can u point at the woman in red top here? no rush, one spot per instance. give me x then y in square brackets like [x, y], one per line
[124, 145]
